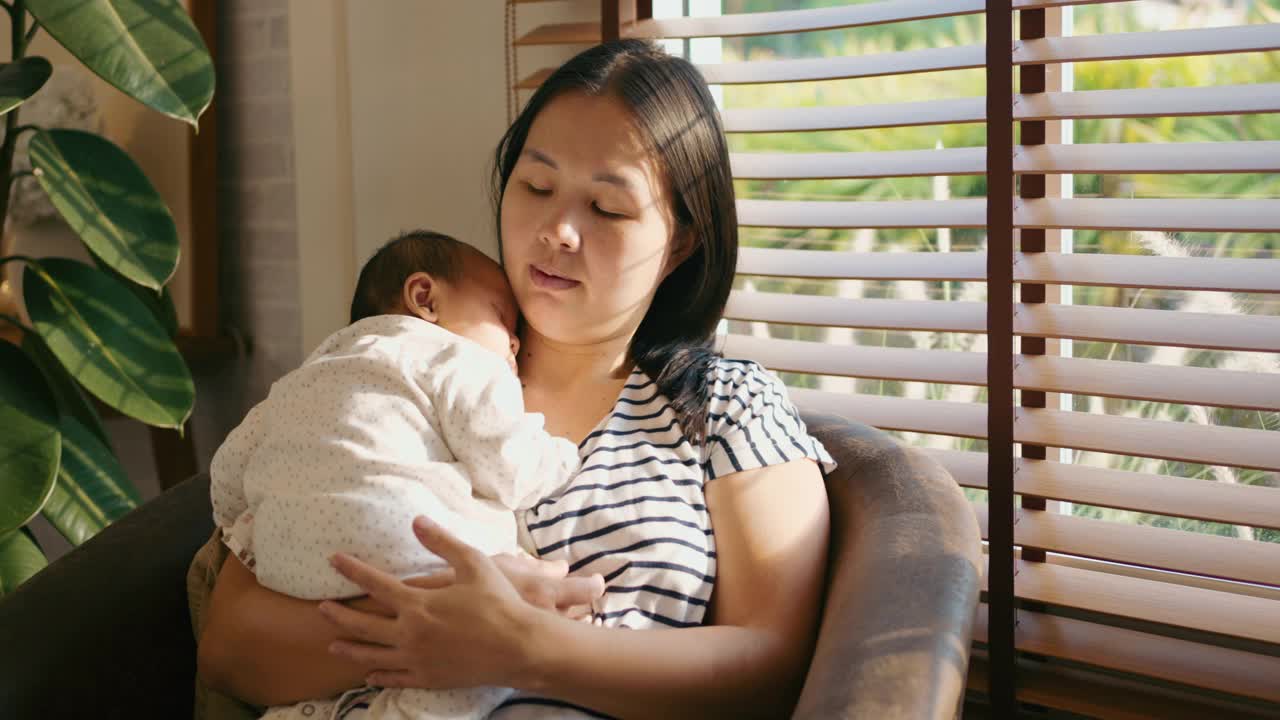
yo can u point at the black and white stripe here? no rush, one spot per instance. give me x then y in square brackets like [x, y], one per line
[636, 511]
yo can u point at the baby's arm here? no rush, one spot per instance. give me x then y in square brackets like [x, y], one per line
[506, 451]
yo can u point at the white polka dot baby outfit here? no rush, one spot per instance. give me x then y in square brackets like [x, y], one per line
[390, 418]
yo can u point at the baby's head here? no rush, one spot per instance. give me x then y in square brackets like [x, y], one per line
[438, 279]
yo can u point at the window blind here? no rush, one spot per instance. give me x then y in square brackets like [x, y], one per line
[1084, 611]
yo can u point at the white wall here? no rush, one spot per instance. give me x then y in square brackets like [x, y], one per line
[398, 106]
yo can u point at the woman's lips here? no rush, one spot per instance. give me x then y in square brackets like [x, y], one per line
[550, 281]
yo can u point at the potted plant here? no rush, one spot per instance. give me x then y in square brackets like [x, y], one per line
[103, 329]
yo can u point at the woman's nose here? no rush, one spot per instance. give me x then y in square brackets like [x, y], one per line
[561, 233]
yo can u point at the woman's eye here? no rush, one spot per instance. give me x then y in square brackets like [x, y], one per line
[537, 190]
[606, 213]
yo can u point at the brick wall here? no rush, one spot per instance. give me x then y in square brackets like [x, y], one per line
[258, 221]
[258, 233]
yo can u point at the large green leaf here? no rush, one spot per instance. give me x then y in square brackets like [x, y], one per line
[149, 49]
[29, 443]
[20, 558]
[108, 341]
[159, 303]
[109, 202]
[92, 490]
[20, 80]
[66, 393]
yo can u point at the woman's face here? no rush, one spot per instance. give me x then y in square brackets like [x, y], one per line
[587, 230]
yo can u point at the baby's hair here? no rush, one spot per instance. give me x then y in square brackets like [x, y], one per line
[382, 278]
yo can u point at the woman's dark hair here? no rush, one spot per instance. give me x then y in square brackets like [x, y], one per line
[672, 107]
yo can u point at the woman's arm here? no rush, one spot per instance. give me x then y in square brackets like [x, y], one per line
[771, 541]
[267, 648]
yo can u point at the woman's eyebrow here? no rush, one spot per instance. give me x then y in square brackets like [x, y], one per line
[605, 177]
[612, 179]
[540, 157]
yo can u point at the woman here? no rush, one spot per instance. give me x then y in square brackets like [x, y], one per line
[619, 236]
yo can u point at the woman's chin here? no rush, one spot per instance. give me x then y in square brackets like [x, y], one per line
[558, 325]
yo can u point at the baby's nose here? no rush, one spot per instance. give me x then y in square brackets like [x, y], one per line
[515, 345]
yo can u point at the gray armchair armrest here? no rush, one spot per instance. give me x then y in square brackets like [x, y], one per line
[104, 631]
[903, 583]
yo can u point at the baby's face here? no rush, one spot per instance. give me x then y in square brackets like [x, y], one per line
[479, 306]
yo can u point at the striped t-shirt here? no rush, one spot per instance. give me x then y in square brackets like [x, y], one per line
[636, 510]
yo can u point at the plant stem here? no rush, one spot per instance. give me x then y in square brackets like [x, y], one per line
[35, 28]
[18, 36]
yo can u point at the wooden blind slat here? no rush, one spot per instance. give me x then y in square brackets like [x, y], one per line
[794, 21]
[1214, 331]
[1154, 547]
[1250, 505]
[854, 117]
[837, 68]
[1107, 214]
[1144, 381]
[1093, 693]
[926, 315]
[1249, 38]
[862, 213]
[1100, 158]
[1149, 102]
[1181, 441]
[1146, 102]
[571, 33]
[897, 163]
[936, 366]
[1144, 271]
[938, 417]
[967, 266]
[1241, 616]
[1182, 661]
[1131, 158]
[791, 21]
[1044, 373]
[1182, 215]
[1161, 43]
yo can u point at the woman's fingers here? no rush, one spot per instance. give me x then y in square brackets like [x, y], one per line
[511, 564]
[434, 581]
[387, 589]
[465, 560]
[360, 625]
[371, 656]
[572, 591]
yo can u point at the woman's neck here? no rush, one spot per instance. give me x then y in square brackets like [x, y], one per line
[556, 365]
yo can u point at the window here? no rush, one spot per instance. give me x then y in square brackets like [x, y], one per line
[1119, 260]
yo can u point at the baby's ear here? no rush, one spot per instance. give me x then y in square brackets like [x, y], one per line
[421, 296]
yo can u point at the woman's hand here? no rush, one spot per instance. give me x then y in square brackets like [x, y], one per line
[460, 628]
[542, 583]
